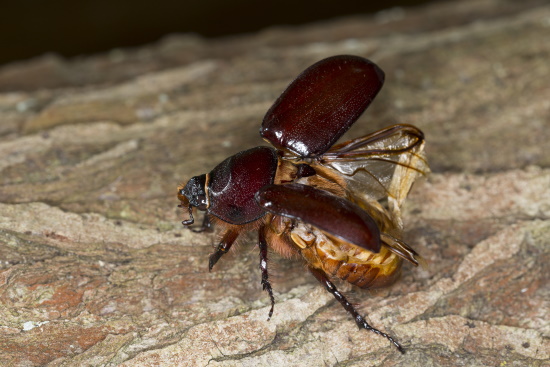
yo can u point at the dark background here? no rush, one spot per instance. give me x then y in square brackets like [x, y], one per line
[30, 28]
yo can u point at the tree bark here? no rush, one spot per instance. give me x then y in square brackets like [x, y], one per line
[97, 270]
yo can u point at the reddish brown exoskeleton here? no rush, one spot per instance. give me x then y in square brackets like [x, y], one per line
[338, 207]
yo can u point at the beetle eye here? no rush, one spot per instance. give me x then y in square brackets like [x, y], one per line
[202, 203]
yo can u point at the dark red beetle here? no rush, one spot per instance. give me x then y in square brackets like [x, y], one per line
[337, 207]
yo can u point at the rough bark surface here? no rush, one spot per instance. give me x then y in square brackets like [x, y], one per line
[96, 269]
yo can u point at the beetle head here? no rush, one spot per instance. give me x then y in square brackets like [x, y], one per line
[193, 194]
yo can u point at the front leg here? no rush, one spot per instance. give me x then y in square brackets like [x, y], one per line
[359, 320]
[266, 285]
[228, 238]
[206, 226]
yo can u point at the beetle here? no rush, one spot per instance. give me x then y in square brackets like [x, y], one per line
[338, 207]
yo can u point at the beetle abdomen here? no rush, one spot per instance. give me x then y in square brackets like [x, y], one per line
[343, 260]
[233, 183]
[380, 270]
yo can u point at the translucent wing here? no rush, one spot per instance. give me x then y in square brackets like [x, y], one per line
[381, 166]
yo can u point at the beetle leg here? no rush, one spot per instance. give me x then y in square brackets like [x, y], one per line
[359, 320]
[266, 285]
[225, 244]
[205, 226]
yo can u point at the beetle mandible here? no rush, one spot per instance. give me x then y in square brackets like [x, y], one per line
[338, 207]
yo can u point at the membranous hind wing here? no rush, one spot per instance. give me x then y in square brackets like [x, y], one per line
[380, 167]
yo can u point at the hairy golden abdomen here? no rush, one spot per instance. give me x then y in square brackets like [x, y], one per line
[348, 262]
[380, 270]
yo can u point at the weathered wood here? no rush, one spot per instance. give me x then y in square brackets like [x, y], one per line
[97, 270]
